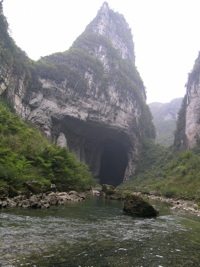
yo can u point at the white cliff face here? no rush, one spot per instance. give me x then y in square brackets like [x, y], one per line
[188, 126]
[108, 25]
[110, 108]
[192, 129]
[14, 87]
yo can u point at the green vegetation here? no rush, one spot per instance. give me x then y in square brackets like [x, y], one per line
[180, 140]
[182, 177]
[167, 173]
[166, 133]
[15, 60]
[70, 65]
[25, 155]
[8, 48]
[164, 119]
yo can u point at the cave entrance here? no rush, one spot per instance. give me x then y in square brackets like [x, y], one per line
[113, 163]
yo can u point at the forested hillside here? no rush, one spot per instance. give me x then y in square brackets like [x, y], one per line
[26, 155]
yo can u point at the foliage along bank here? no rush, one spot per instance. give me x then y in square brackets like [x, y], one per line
[26, 155]
[168, 173]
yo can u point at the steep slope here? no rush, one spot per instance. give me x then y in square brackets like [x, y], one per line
[164, 118]
[91, 98]
[188, 128]
[26, 156]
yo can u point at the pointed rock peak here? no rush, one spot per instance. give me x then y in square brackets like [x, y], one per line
[114, 27]
[104, 10]
[105, 6]
[1, 6]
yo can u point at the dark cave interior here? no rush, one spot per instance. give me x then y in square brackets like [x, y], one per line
[93, 143]
[113, 163]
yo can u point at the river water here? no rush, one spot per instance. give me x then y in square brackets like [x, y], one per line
[97, 233]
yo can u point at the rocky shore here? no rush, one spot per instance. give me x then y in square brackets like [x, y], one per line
[42, 200]
[112, 193]
[176, 204]
[52, 198]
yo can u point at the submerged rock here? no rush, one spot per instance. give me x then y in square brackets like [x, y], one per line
[110, 192]
[108, 189]
[115, 196]
[138, 207]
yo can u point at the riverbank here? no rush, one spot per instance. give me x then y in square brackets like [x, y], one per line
[46, 200]
[112, 193]
[42, 200]
[176, 204]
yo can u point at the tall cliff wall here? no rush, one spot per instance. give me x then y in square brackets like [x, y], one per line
[188, 127]
[90, 98]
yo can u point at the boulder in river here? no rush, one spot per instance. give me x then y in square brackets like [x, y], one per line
[138, 207]
[110, 192]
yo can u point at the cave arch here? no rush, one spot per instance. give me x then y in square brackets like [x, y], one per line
[113, 163]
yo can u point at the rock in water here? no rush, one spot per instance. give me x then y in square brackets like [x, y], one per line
[136, 206]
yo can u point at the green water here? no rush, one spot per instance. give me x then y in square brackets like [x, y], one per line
[97, 233]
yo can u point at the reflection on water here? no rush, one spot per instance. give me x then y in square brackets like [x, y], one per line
[97, 233]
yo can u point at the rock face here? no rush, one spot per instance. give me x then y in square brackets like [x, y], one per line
[136, 206]
[192, 129]
[165, 116]
[188, 130]
[90, 98]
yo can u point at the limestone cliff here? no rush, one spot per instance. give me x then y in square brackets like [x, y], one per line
[188, 127]
[90, 98]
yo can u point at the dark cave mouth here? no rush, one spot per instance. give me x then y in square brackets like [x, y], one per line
[113, 163]
[104, 150]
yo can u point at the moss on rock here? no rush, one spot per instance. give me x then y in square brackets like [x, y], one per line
[138, 207]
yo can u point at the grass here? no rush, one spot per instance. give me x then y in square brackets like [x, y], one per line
[170, 175]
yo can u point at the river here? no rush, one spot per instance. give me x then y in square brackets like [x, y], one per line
[97, 233]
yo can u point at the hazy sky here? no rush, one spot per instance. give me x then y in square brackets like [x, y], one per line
[165, 34]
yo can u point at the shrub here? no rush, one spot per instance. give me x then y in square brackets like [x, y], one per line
[169, 193]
